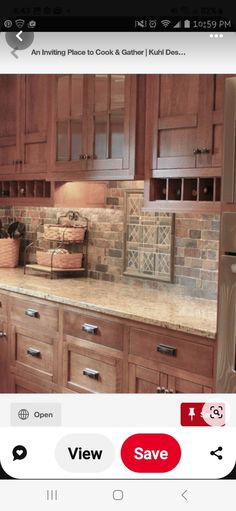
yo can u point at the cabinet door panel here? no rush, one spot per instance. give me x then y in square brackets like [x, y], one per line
[148, 381]
[179, 121]
[33, 129]
[8, 123]
[111, 111]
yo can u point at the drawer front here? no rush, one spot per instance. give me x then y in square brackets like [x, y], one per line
[34, 314]
[182, 354]
[33, 354]
[89, 372]
[93, 328]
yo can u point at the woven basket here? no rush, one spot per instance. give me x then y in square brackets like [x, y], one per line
[9, 253]
[59, 232]
[61, 261]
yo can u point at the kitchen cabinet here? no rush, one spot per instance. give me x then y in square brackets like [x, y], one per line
[9, 87]
[148, 381]
[24, 106]
[33, 326]
[184, 142]
[54, 347]
[93, 352]
[94, 133]
[163, 361]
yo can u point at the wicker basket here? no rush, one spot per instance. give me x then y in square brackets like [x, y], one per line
[9, 252]
[61, 261]
[57, 232]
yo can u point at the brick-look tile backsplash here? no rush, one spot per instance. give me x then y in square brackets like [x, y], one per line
[196, 242]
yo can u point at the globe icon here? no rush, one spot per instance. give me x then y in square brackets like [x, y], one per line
[23, 414]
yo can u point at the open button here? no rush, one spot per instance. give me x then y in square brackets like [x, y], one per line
[156, 452]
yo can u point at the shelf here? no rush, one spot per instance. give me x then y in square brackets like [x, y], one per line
[48, 269]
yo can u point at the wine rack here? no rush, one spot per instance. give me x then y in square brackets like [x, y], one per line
[36, 191]
[200, 191]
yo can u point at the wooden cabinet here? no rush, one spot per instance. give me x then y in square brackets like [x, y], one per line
[24, 107]
[184, 142]
[94, 126]
[34, 336]
[9, 87]
[92, 352]
[163, 361]
[148, 381]
[47, 347]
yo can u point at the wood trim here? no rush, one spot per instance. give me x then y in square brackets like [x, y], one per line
[188, 172]
[178, 121]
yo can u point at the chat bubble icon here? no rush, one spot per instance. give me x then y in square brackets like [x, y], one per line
[19, 452]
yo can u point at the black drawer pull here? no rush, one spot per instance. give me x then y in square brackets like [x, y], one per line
[33, 352]
[90, 329]
[167, 350]
[91, 373]
[32, 313]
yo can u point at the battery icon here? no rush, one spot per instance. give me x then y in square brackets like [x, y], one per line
[186, 23]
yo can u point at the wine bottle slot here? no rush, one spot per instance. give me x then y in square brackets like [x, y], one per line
[194, 192]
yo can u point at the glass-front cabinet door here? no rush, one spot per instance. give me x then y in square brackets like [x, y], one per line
[94, 125]
[69, 122]
[9, 86]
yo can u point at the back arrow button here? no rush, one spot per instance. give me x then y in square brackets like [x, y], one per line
[183, 495]
[19, 36]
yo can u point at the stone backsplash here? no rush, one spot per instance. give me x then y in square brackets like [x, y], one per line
[196, 242]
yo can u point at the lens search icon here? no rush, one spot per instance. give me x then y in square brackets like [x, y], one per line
[19, 452]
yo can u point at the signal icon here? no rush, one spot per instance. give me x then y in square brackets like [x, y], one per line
[165, 23]
[178, 25]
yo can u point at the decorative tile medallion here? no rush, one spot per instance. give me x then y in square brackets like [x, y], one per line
[148, 240]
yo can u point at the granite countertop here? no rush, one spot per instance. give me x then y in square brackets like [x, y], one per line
[157, 307]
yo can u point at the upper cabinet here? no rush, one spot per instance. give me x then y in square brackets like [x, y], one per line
[94, 126]
[184, 142]
[9, 85]
[24, 102]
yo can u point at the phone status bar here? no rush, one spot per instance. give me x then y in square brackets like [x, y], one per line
[117, 24]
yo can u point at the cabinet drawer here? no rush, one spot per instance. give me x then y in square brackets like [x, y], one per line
[87, 371]
[164, 349]
[93, 328]
[35, 314]
[33, 354]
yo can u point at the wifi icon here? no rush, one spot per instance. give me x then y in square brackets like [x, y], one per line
[20, 23]
[165, 23]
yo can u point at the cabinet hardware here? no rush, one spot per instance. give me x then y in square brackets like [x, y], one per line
[33, 352]
[167, 350]
[205, 150]
[90, 329]
[197, 151]
[82, 157]
[91, 373]
[32, 313]
[164, 390]
[3, 334]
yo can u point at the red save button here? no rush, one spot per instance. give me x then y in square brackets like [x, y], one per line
[155, 452]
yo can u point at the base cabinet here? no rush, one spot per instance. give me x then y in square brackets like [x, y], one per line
[148, 381]
[47, 347]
